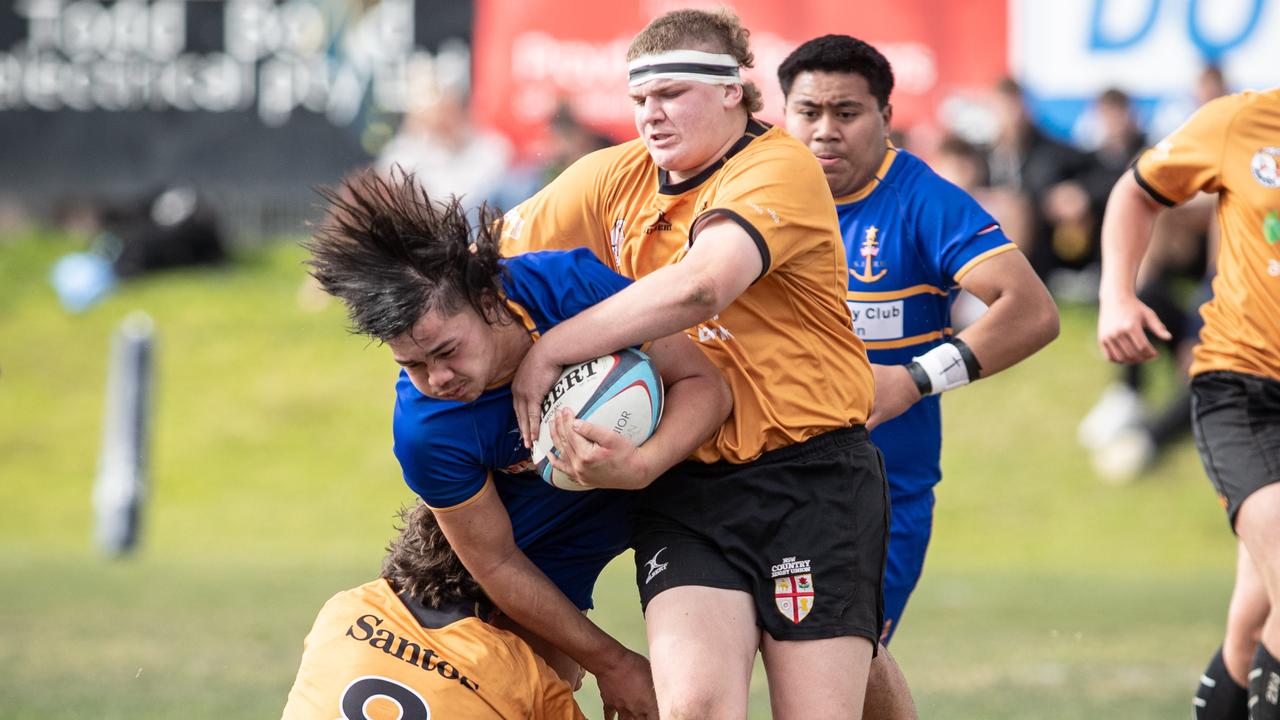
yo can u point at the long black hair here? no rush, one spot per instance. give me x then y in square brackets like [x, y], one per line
[392, 254]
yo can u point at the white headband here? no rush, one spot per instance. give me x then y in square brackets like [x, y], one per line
[710, 68]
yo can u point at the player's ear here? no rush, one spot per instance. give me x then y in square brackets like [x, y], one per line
[886, 113]
[733, 95]
[491, 310]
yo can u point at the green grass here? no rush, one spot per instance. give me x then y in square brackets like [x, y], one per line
[1046, 594]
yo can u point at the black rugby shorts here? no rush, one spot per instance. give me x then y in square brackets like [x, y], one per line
[802, 529]
[1236, 419]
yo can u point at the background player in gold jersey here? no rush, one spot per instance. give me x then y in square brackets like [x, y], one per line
[772, 537]
[1231, 147]
[416, 643]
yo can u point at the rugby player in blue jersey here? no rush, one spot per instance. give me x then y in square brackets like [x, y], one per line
[912, 240]
[458, 318]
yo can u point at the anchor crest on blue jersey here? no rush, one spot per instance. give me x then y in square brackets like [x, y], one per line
[869, 251]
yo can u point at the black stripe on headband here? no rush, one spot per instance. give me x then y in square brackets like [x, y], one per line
[697, 68]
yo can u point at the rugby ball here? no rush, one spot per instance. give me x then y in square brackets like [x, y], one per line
[621, 391]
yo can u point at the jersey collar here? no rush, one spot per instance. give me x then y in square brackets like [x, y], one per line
[525, 318]
[438, 617]
[755, 129]
[870, 187]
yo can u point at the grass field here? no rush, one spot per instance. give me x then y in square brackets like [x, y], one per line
[1047, 594]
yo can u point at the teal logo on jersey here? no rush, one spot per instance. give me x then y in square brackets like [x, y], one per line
[1271, 227]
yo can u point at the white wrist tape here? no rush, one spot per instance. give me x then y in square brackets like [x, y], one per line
[945, 367]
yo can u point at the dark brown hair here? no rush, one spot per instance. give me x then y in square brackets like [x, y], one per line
[421, 563]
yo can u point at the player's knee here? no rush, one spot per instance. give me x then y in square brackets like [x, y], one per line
[1244, 639]
[700, 690]
[694, 704]
[1240, 643]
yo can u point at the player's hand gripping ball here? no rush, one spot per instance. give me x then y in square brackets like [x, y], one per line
[621, 392]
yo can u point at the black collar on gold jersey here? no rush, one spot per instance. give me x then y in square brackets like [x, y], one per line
[755, 129]
[435, 618]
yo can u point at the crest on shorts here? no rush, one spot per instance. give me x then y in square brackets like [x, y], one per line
[1266, 167]
[793, 588]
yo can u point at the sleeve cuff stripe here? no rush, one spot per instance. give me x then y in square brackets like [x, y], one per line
[458, 506]
[742, 222]
[1155, 194]
[964, 269]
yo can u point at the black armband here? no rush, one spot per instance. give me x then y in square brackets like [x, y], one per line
[921, 378]
[971, 363]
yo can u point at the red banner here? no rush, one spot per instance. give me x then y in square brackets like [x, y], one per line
[531, 55]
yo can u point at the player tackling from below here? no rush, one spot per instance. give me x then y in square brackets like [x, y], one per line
[458, 318]
[417, 643]
[1231, 147]
[772, 536]
[911, 239]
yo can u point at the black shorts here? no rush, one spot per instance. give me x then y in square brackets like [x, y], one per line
[1236, 418]
[802, 529]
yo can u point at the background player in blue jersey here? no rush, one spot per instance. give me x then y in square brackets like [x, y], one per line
[912, 240]
[458, 318]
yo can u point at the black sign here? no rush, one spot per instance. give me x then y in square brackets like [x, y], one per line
[113, 98]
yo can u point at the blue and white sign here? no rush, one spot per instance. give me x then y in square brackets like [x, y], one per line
[1066, 53]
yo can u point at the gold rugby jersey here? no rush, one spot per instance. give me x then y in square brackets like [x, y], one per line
[1231, 147]
[371, 656]
[786, 345]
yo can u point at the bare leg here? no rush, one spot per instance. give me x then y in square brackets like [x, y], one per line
[1258, 525]
[702, 646]
[817, 679]
[1245, 617]
[888, 697]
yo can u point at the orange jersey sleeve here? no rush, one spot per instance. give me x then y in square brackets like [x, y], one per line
[570, 212]
[1190, 159]
[779, 197]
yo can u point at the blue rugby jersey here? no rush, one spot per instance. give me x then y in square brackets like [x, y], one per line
[451, 452]
[910, 237]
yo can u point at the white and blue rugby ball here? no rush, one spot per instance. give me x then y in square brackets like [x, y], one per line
[621, 391]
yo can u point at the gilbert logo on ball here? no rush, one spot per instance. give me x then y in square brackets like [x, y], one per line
[621, 391]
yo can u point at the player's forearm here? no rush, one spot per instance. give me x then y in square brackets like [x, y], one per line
[694, 409]
[1018, 323]
[520, 590]
[666, 301]
[1126, 233]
